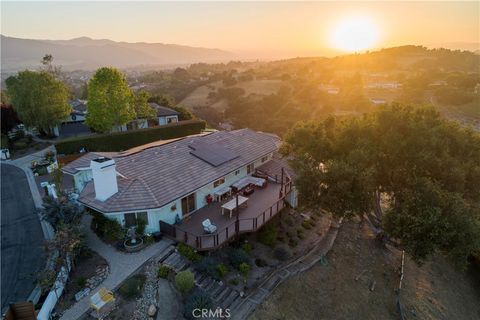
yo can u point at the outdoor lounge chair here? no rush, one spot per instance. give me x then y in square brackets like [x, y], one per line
[208, 226]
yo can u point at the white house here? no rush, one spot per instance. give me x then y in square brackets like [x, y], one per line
[164, 116]
[171, 181]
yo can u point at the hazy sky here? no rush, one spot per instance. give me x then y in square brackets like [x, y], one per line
[275, 28]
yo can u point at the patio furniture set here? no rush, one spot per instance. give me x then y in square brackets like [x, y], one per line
[242, 188]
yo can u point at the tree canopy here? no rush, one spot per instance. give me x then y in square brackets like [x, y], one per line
[38, 98]
[142, 109]
[426, 169]
[110, 100]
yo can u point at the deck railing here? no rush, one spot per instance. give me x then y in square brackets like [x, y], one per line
[239, 226]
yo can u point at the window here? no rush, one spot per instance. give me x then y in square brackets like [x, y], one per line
[188, 203]
[237, 172]
[171, 120]
[264, 158]
[250, 168]
[131, 219]
[219, 182]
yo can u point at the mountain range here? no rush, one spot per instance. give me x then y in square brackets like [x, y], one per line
[86, 53]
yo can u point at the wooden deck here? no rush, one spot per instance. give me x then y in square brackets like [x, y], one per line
[263, 204]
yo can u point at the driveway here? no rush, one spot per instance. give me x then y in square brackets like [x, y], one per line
[22, 238]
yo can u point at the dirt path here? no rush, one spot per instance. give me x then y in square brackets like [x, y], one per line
[341, 289]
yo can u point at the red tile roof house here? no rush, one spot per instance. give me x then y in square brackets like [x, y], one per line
[176, 185]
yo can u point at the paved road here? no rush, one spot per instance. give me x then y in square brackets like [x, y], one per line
[22, 237]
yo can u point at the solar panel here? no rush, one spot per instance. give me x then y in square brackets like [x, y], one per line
[214, 154]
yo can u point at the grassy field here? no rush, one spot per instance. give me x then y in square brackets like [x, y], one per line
[341, 290]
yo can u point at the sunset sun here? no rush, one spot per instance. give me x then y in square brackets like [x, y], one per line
[354, 34]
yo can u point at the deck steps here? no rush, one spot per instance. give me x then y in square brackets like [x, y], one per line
[165, 254]
[223, 294]
[228, 300]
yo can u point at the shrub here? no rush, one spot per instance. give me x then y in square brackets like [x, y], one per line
[208, 266]
[244, 269]
[141, 225]
[148, 240]
[197, 300]
[306, 224]
[238, 256]
[247, 247]
[4, 142]
[125, 140]
[132, 287]
[113, 230]
[188, 252]
[233, 281]
[20, 145]
[259, 262]
[82, 281]
[293, 242]
[282, 253]
[105, 228]
[163, 271]
[268, 235]
[289, 221]
[222, 270]
[184, 281]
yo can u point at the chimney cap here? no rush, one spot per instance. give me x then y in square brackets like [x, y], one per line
[101, 159]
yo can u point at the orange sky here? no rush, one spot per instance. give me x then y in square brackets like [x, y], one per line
[249, 28]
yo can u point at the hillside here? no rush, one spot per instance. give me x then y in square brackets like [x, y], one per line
[85, 53]
[341, 289]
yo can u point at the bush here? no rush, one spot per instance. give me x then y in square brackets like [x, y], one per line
[132, 287]
[268, 235]
[289, 221]
[188, 252]
[306, 224]
[82, 281]
[233, 281]
[197, 300]
[125, 140]
[4, 142]
[106, 228]
[238, 256]
[247, 247]
[113, 230]
[282, 253]
[208, 266]
[244, 269]
[293, 242]
[20, 145]
[222, 270]
[184, 281]
[148, 240]
[141, 225]
[163, 271]
[259, 262]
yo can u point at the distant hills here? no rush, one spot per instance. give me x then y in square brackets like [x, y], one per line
[86, 53]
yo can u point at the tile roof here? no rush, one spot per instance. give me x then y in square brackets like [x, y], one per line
[167, 172]
[163, 111]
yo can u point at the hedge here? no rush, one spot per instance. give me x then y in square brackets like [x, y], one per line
[120, 141]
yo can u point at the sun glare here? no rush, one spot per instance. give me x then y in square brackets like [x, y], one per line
[354, 34]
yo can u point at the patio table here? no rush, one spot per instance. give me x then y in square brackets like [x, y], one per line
[232, 204]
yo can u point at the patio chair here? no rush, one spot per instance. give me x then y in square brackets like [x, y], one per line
[208, 226]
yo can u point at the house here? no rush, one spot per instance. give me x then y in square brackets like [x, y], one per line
[164, 116]
[175, 185]
[74, 124]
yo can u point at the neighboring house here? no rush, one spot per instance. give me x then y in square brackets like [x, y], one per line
[74, 124]
[171, 184]
[164, 116]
